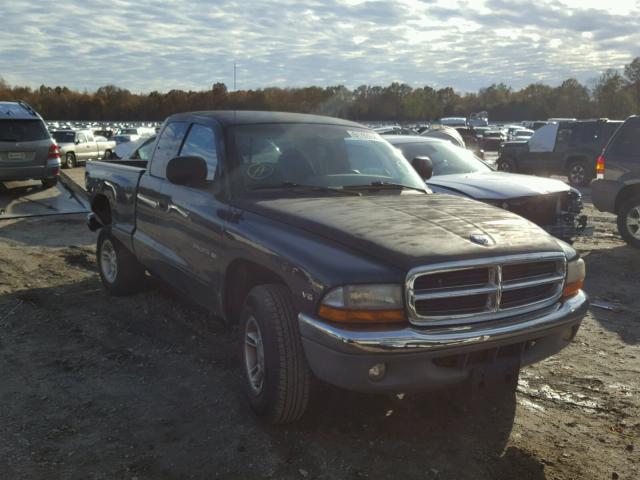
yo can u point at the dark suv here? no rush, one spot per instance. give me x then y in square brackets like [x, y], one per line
[566, 148]
[27, 151]
[617, 189]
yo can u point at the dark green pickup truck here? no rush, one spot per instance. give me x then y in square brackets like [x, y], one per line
[565, 148]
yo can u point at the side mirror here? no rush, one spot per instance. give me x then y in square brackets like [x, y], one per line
[187, 171]
[77, 142]
[424, 167]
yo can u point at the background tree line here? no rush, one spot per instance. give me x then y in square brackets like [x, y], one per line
[613, 95]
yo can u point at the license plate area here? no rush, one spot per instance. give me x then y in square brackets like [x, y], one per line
[499, 375]
[16, 156]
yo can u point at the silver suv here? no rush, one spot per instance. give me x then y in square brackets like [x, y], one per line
[27, 151]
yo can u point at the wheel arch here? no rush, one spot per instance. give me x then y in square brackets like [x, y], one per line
[575, 157]
[102, 208]
[626, 193]
[240, 277]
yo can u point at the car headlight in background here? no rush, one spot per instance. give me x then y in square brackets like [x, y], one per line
[575, 277]
[363, 304]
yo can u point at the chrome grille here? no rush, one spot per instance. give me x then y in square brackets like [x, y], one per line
[476, 290]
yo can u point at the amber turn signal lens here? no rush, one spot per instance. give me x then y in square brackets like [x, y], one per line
[361, 316]
[570, 289]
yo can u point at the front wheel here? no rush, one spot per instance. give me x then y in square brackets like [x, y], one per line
[69, 160]
[49, 182]
[277, 377]
[506, 165]
[577, 174]
[120, 271]
[629, 221]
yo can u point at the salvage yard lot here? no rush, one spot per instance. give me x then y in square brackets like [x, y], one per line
[149, 387]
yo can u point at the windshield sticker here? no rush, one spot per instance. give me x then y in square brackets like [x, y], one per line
[364, 135]
[260, 171]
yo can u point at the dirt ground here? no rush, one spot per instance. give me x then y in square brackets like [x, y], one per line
[149, 387]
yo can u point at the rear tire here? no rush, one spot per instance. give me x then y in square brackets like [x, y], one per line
[69, 160]
[277, 377]
[629, 221]
[120, 271]
[49, 182]
[578, 174]
[506, 165]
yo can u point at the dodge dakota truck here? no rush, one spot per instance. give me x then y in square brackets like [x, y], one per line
[339, 264]
[80, 146]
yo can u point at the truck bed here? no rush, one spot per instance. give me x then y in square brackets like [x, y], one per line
[118, 181]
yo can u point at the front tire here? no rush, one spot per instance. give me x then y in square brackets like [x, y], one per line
[506, 165]
[120, 271]
[69, 160]
[629, 221]
[578, 174]
[277, 377]
[49, 182]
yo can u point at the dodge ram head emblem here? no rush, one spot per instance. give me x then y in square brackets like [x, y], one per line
[480, 239]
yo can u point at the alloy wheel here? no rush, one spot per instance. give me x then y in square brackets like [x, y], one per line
[633, 222]
[109, 261]
[254, 355]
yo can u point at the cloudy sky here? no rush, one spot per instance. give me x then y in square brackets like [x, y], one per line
[190, 44]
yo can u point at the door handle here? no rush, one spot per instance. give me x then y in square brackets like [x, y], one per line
[149, 202]
[174, 208]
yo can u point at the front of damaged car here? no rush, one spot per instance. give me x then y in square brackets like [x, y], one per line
[549, 203]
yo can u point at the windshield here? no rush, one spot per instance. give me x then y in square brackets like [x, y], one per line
[128, 131]
[273, 155]
[447, 159]
[64, 137]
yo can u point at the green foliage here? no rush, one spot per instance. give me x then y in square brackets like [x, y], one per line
[612, 95]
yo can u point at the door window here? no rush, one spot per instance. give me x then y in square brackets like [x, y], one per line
[201, 142]
[627, 141]
[167, 147]
[82, 138]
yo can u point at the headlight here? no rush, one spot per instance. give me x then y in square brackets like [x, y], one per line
[575, 277]
[363, 304]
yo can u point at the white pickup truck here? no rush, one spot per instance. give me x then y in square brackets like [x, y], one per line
[80, 146]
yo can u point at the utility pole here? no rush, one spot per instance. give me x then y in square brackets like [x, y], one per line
[234, 76]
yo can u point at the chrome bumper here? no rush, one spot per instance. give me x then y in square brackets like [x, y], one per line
[416, 340]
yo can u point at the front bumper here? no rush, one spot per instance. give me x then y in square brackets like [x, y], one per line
[433, 358]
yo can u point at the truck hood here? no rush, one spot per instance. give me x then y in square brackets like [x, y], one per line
[497, 185]
[410, 229]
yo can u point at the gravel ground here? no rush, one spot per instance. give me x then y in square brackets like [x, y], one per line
[148, 387]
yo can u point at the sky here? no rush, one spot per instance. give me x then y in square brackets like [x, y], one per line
[191, 44]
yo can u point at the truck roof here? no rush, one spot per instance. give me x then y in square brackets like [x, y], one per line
[245, 117]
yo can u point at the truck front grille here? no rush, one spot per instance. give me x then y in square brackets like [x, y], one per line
[477, 290]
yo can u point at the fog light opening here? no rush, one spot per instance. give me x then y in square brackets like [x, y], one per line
[377, 372]
[569, 334]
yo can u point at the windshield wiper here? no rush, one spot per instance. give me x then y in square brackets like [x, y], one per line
[292, 186]
[381, 184]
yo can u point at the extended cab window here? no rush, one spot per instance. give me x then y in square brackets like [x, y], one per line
[201, 142]
[167, 147]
